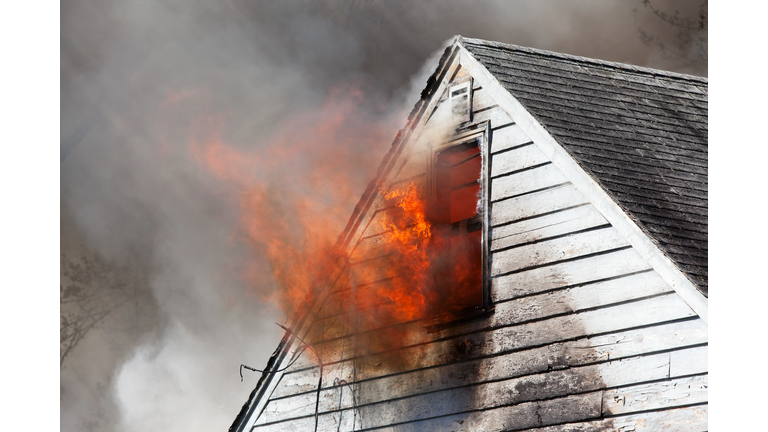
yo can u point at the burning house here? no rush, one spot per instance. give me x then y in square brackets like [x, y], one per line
[532, 255]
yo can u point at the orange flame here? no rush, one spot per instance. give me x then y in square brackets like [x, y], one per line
[295, 195]
[296, 191]
[408, 240]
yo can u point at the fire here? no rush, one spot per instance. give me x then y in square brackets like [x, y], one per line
[295, 191]
[408, 240]
[295, 194]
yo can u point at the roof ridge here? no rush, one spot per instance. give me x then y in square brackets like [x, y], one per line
[625, 66]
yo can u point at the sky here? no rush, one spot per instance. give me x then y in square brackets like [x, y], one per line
[155, 96]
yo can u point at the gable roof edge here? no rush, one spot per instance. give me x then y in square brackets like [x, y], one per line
[588, 185]
[580, 59]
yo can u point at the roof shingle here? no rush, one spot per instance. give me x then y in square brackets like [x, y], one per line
[640, 132]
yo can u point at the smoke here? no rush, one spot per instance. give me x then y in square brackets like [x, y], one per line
[148, 87]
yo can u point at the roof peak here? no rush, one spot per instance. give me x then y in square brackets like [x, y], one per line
[580, 59]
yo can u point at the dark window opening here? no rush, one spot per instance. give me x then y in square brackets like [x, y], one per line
[458, 228]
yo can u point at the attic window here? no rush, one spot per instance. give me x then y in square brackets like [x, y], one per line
[457, 212]
[459, 99]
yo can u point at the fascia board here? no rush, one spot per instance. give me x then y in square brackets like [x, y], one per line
[587, 185]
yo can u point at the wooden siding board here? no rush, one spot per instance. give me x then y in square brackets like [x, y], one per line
[613, 264]
[525, 415]
[481, 100]
[516, 159]
[659, 309]
[581, 297]
[546, 332]
[689, 362]
[536, 204]
[508, 137]
[656, 396]
[497, 117]
[541, 177]
[440, 373]
[531, 362]
[514, 391]
[558, 249]
[550, 225]
[512, 417]
[688, 419]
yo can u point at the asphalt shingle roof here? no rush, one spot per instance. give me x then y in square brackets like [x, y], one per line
[640, 132]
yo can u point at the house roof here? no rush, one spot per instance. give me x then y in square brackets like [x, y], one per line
[640, 133]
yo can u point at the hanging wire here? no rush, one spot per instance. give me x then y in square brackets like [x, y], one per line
[295, 357]
[319, 360]
[337, 381]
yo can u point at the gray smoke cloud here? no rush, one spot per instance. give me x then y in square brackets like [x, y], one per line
[142, 82]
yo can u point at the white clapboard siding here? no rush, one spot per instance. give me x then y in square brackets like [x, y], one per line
[530, 387]
[488, 395]
[569, 354]
[497, 117]
[516, 159]
[514, 417]
[489, 369]
[581, 297]
[683, 363]
[688, 419]
[657, 395]
[526, 181]
[659, 309]
[558, 249]
[550, 225]
[568, 273]
[663, 308]
[622, 400]
[508, 137]
[530, 308]
[536, 204]
[481, 100]
[497, 365]
[305, 424]
[525, 415]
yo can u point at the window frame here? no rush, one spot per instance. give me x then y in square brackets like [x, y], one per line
[480, 133]
[454, 101]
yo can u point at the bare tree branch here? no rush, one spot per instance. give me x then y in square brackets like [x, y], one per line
[97, 293]
[690, 34]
